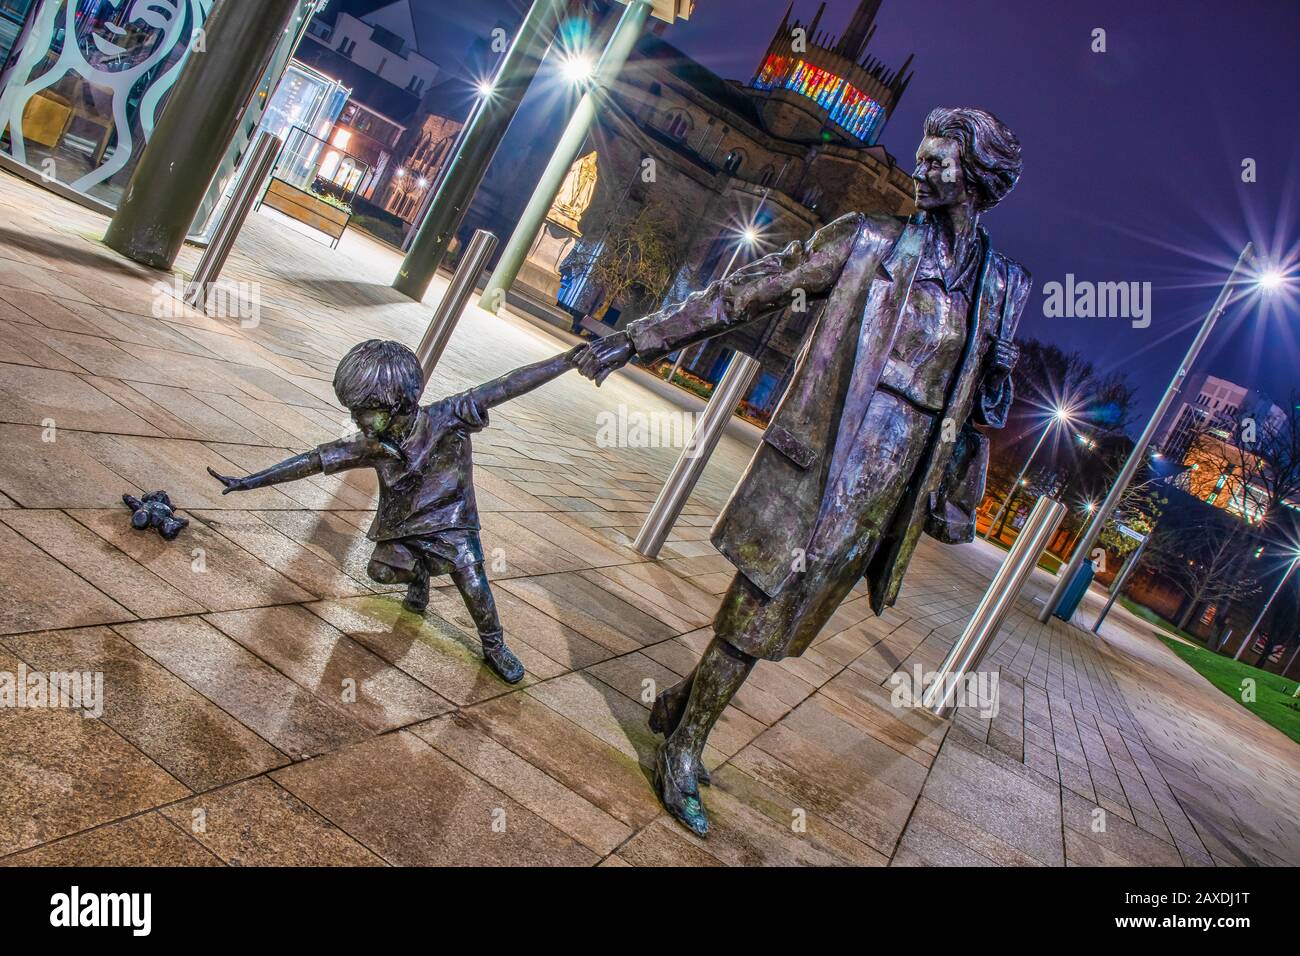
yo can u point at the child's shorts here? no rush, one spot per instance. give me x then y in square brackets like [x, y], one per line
[440, 552]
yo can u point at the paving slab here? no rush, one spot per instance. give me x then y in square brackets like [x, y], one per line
[412, 805]
[229, 651]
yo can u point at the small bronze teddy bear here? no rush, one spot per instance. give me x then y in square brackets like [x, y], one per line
[154, 510]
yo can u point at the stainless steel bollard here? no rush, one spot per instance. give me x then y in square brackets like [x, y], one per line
[690, 464]
[256, 168]
[993, 607]
[1264, 610]
[1120, 580]
[452, 304]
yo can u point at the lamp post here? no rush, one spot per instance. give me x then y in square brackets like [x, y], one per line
[1267, 604]
[1120, 579]
[1059, 416]
[1102, 514]
[686, 471]
[749, 237]
[617, 50]
[477, 144]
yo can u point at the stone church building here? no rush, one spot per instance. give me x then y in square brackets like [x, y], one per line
[785, 153]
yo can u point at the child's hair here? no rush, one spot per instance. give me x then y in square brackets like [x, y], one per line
[379, 374]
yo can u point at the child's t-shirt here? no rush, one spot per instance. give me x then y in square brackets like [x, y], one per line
[429, 487]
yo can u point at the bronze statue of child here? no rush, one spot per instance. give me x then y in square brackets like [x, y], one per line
[427, 519]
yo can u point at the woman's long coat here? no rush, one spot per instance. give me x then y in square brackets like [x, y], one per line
[862, 267]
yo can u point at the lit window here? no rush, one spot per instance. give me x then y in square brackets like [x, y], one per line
[848, 106]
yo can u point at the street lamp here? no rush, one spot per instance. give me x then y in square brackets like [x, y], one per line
[731, 388]
[1263, 281]
[749, 237]
[591, 78]
[577, 68]
[1267, 604]
[476, 144]
[1088, 508]
[1060, 416]
[1271, 280]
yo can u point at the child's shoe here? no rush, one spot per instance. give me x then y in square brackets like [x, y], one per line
[501, 659]
[417, 592]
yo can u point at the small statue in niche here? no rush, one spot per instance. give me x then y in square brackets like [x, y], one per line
[155, 510]
[427, 519]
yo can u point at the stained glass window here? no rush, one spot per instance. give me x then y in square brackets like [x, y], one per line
[849, 108]
[773, 73]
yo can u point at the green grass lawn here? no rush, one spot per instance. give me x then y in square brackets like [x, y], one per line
[1273, 702]
[1151, 617]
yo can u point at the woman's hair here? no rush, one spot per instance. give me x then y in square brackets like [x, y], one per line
[379, 374]
[990, 153]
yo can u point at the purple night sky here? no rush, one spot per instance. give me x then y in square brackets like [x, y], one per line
[1132, 157]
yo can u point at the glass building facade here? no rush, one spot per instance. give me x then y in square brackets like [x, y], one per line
[13, 14]
[86, 81]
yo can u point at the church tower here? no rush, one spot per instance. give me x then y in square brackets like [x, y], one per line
[852, 93]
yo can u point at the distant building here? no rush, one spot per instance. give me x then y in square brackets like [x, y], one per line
[1203, 434]
[382, 42]
[374, 49]
[799, 140]
[424, 154]
[853, 90]
[1218, 406]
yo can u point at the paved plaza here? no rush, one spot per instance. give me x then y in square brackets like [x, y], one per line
[267, 704]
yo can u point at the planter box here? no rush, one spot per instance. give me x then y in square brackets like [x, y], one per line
[306, 208]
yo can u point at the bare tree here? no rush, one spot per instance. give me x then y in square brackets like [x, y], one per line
[1046, 377]
[1207, 558]
[634, 260]
[1252, 460]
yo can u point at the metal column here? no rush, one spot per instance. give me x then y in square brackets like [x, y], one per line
[1267, 604]
[690, 464]
[626, 33]
[452, 304]
[476, 146]
[176, 167]
[1120, 580]
[1102, 514]
[993, 607]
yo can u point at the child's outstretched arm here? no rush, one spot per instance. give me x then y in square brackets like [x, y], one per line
[525, 379]
[291, 469]
[355, 451]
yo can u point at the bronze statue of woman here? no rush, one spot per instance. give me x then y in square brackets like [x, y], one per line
[875, 439]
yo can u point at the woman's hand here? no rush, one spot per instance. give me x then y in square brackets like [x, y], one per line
[1003, 359]
[598, 359]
